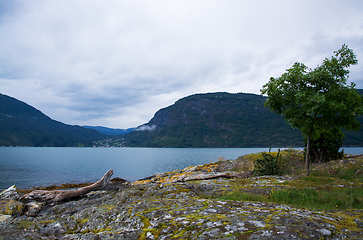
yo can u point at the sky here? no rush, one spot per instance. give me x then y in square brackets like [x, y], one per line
[114, 63]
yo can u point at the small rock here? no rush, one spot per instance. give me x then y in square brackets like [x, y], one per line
[95, 194]
[325, 232]
[11, 207]
[258, 224]
[149, 235]
[54, 228]
[33, 208]
[358, 172]
[359, 223]
[9, 193]
[4, 217]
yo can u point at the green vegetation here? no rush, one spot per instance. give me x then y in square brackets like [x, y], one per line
[268, 164]
[334, 185]
[319, 102]
[222, 120]
[290, 162]
[320, 200]
[338, 198]
[348, 173]
[201, 120]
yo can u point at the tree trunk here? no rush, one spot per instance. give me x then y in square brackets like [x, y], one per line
[61, 195]
[307, 157]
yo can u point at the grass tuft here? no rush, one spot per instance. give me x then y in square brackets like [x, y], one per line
[339, 198]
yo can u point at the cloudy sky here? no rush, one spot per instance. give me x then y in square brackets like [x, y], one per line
[114, 63]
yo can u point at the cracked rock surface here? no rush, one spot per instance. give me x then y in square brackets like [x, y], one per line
[175, 211]
[163, 207]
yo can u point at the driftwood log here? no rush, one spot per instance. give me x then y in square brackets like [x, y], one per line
[61, 195]
[220, 175]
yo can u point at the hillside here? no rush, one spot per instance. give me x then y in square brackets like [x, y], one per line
[23, 125]
[215, 120]
[352, 138]
[220, 120]
[201, 120]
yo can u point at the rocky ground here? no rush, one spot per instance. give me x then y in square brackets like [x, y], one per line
[178, 205]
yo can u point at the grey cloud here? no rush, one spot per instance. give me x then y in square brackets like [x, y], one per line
[115, 63]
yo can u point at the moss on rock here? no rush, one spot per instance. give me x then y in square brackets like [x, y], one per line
[153, 209]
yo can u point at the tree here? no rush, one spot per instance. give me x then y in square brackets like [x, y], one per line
[326, 147]
[317, 101]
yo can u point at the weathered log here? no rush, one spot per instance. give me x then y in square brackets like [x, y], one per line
[190, 176]
[209, 176]
[61, 195]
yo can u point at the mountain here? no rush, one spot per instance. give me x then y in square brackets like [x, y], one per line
[215, 120]
[220, 120]
[352, 138]
[23, 125]
[200, 120]
[110, 131]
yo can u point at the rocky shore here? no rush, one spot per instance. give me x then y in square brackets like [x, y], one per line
[182, 204]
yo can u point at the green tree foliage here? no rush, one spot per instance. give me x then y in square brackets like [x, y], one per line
[326, 147]
[317, 101]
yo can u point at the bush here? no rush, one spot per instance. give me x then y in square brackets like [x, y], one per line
[268, 164]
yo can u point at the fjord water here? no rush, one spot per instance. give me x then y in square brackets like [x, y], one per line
[32, 167]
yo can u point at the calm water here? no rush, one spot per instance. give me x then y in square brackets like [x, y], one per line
[29, 167]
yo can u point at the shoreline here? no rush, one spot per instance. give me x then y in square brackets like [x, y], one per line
[174, 205]
[65, 165]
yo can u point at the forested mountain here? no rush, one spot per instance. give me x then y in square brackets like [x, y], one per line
[215, 120]
[220, 120]
[23, 125]
[352, 138]
[201, 120]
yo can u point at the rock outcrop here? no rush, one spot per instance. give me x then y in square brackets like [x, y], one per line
[159, 208]
[156, 211]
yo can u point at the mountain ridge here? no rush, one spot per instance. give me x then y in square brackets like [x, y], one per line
[201, 120]
[24, 125]
[221, 120]
[214, 120]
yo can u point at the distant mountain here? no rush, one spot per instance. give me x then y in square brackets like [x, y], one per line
[110, 131]
[220, 120]
[23, 125]
[200, 120]
[352, 138]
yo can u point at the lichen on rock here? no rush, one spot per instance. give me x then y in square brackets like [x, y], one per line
[10, 193]
[158, 208]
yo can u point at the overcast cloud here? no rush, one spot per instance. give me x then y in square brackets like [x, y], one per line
[115, 63]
